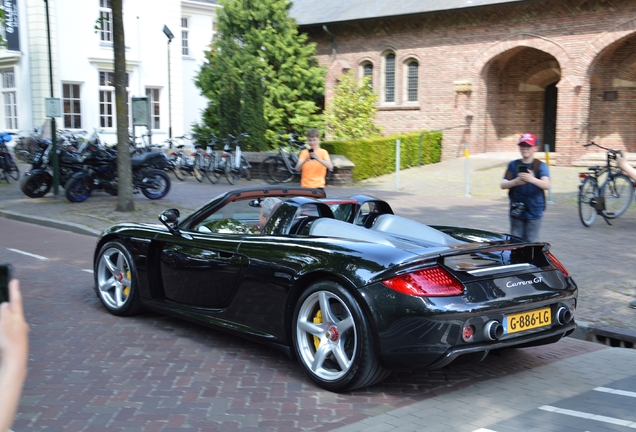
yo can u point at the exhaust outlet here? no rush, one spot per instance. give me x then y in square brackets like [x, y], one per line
[563, 315]
[493, 330]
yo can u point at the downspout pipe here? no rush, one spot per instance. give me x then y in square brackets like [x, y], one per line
[333, 42]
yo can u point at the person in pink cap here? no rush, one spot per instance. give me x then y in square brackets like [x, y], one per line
[527, 179]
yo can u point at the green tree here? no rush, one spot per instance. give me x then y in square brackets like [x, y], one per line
[253, 113]
[261, 34]
[352, 110]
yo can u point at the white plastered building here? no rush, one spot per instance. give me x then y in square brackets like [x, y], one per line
[82, 63]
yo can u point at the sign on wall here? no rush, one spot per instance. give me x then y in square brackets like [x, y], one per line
[12, 25]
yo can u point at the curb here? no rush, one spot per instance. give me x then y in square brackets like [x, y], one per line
[51, 223]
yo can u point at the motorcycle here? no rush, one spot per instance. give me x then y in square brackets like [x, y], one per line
[38, 180]
[100, 173]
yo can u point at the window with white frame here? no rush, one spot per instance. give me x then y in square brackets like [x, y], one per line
[155, 107]
[9, 98]
[107, 98]
[185, 50]
[367, 71]
[412, 71]
[389, 78]
[105, 21]
[72, 109]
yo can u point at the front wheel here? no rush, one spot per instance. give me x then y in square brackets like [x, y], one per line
[264, 169]
[231, 173]
[36, 185]
[211, 171]
[618, 192]
[245, 169]
[78, 189]
[279, 172]
[588, 196]
[332, 339]
[116, 280]
[155, 184]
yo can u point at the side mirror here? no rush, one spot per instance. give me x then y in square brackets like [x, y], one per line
[170, 218]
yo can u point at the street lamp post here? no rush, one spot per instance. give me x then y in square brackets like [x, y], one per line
[170, 36]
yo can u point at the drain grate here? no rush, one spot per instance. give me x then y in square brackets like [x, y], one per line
[612, 338]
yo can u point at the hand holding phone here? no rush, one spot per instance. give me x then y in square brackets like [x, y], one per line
[5, 277]
[522, 168]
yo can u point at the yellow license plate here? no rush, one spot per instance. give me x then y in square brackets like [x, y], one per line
[527, 320]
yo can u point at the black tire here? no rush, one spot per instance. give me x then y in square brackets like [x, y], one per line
[116, 281]
[21, 152]
[176, 165]
[197, 165]
[245, 169]
[264, 170]
[279, 172]
[160, 184]
[588, 192]
[36, 186]
[342, 336]
[77, 189]
[618, 193]
[210, 172]
[231, 173]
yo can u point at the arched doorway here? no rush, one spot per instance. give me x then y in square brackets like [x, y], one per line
[550, 116]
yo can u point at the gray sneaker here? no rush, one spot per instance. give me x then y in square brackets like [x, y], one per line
[633, 304]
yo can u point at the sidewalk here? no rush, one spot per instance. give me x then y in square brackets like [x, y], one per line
[599, 258]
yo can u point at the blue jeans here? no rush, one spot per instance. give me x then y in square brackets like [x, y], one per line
[526, 229]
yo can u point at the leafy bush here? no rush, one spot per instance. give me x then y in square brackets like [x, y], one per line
[374, 157]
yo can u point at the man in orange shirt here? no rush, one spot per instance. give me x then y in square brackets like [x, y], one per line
[313, 163]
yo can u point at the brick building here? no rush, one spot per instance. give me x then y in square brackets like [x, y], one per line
[488, 70]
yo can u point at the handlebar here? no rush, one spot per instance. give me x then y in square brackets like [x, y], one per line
[612, 153]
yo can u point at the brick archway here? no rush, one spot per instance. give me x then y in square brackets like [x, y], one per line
[592, 52]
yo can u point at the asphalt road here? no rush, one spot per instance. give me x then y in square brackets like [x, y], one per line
[91, 371]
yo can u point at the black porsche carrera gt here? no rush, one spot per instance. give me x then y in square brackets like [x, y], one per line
[348, 288]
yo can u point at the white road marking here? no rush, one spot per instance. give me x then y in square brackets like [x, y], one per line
[616, 392]
[589, 416]
[484, 430]
[88, 271]
[28, 254]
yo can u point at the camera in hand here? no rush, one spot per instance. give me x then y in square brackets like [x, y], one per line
[5, 277]
[311, 150]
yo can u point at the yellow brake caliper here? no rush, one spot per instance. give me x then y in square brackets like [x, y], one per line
[317, 320]
[127, 288]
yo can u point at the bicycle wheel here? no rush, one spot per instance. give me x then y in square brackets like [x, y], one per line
[196, 168]
[210, 171]
[618, 192]
[21, 152]
[587, 194]
[264, 169]
[245, 169]
[176, 164]
[231, 172]
[279, 171]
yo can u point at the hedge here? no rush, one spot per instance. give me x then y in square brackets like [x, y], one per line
[374, 157]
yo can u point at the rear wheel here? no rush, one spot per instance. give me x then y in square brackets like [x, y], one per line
[618, 192]
[264, 170]
[231, 173]
[36, 186]
[332, 339]
[116, 280]
[588, 194]
[158, 184]
[245, 169]
[210, 172]
[176, 164]
[279, 171]
[77, 189]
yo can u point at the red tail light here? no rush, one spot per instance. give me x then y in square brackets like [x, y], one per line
[430, 282]
[582, 176]
[557, 264]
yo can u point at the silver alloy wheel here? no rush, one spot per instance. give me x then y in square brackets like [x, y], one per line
[326, 334]
[114, 282]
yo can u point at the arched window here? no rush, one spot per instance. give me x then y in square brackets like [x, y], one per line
[411, 81]
[367, 71]
[389, 78]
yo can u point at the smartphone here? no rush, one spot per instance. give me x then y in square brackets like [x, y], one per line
[311, 150]
[522, 168]
[5, 277]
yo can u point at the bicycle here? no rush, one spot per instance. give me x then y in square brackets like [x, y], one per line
[233, 162]
[185, 165]
[281, 168]
[612, 198]
[8, 167]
